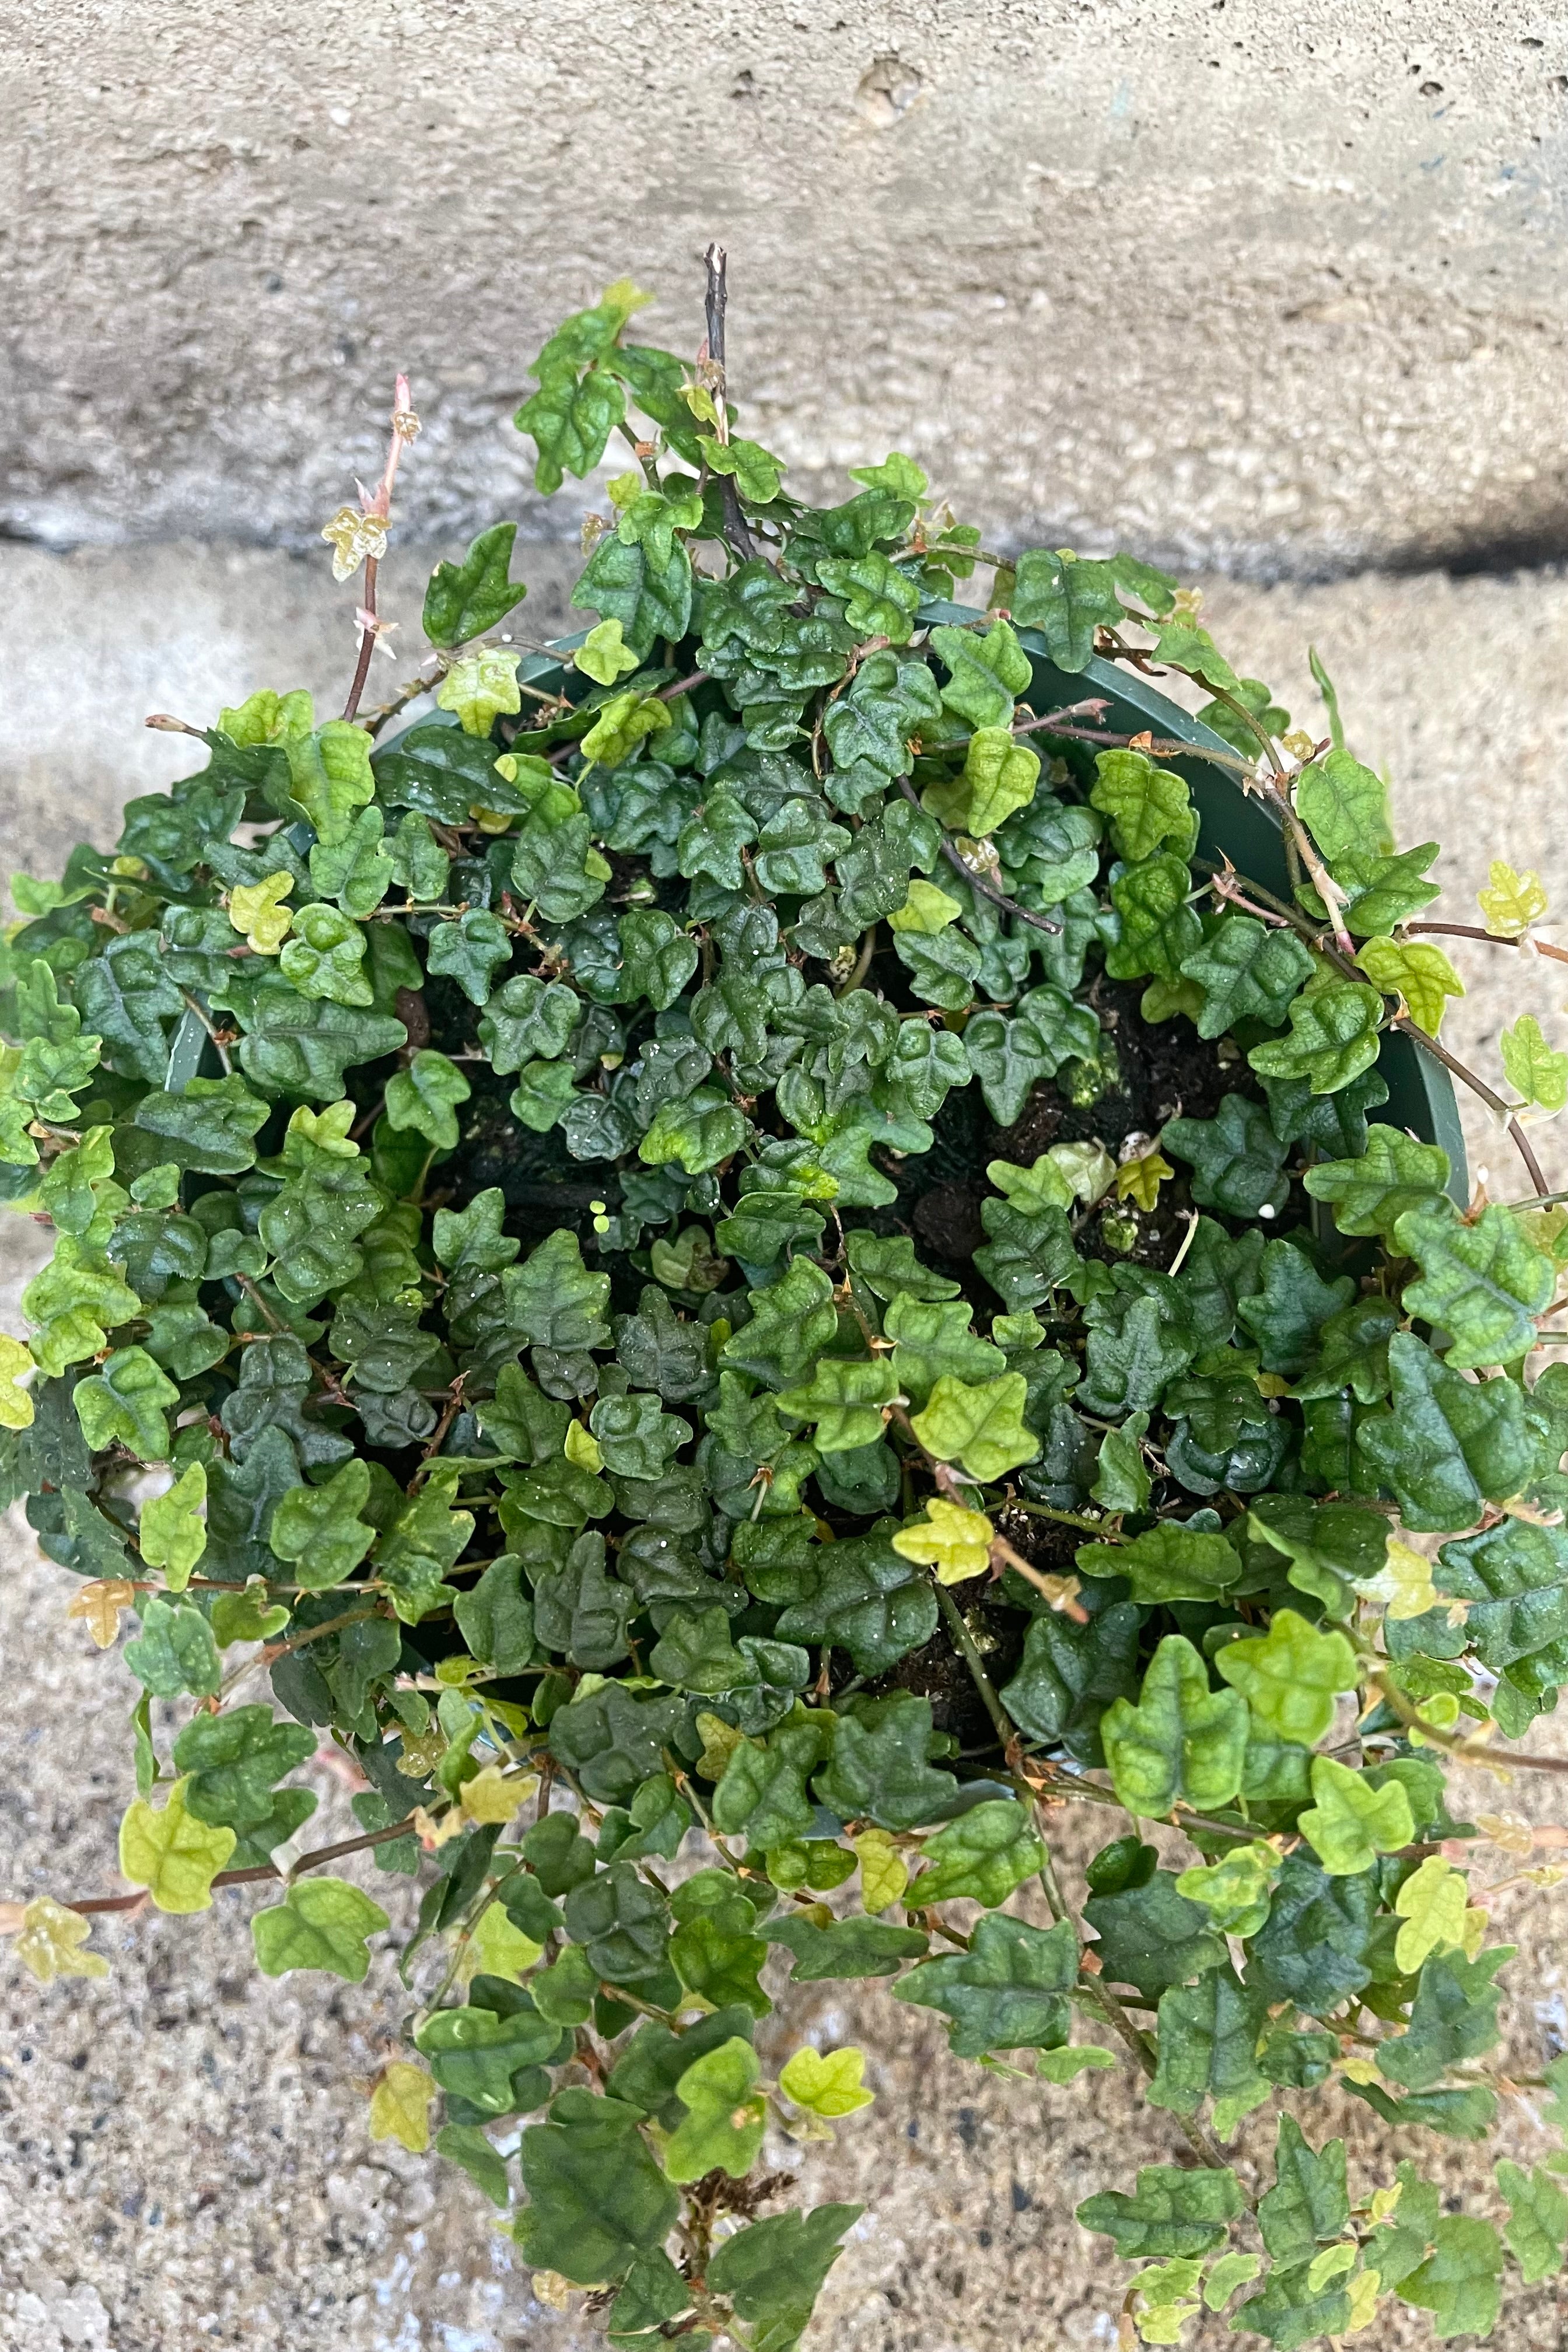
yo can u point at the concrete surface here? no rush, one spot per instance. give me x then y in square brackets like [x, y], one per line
[1277, 290]
[183, 2150]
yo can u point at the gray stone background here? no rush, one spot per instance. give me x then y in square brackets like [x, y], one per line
[1273, 289]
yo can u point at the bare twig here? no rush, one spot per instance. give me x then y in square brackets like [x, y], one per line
[378, 502]
[1474, 931]
[717, 302]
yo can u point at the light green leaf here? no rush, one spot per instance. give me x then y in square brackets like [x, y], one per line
[604, 653]
[1234, 1890]
[999, 777]
[725, 2116]
[1147, 806]
[1458, 2282]
[982, 1427]
[825, 2084]
[1291, 1677]
[1350, 1822]
[126, 1404]
[172, 1534]
[1534, 1069]
[1414, 969]
[173, 1854]
[1344, 807]
[953, 1541]
[322, 1923]
[1181, 1742]
[330, 777]
[1432, 1902]
[1537, 2219]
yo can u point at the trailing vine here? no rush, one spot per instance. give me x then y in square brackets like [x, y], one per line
[990, 1357]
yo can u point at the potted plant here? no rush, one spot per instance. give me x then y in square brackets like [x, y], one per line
[747, 1258]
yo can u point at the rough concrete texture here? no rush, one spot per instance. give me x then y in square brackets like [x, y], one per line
[1277, 290]
[183, 2150]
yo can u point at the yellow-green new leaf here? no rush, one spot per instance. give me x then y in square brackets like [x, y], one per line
[603, 655]
[1432, 1905]
[170, 1853]
[400, 2106]
[884, 1873]
[999, 778]
[498, 1947]
[1512, 902]
[1290, 1676]
[826, 2085]
[52, 1942]
[1350, 1822]
[481, 688]
[926, 911]
[1533, 1068]
[955, 1543]
[1414, 969]
[983, 1428]
[257, 909]
[173, 1534]
[17, 1365]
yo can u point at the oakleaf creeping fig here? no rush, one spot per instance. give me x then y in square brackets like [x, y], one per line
[654, 1573]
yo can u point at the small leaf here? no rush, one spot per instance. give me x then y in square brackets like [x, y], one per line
[17, 1365]
[257, 909]
[825, 2085]
[1537, 2219]
[604, 653]
[884, 1873]
[1344, 807]
[1432, 1904]
[400, 2106]
[1534, 1069]
[100, 1604]
[983, 1428]
[1333, 1038]
[52, 1939]
[1414, 969]
[463, 600]
[1147, 806]
[1181, 1741]
[955, 1541]
[1291, 1677]
[173, 1535]
[1458, 2282]
[982, 1857]
[1512, 901]
[1350, 1822]
[725, 2116]
[322, 1923]
[173, 1854]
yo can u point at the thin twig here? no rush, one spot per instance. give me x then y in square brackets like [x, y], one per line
[262, 1870]
[718, 298]
[1474, 931]
[997, 897]
[405, 425]
[1005, 1730]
